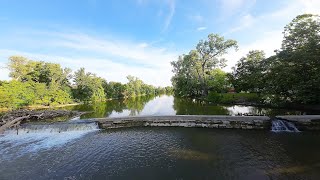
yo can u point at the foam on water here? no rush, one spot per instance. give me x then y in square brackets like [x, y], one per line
[31, 138]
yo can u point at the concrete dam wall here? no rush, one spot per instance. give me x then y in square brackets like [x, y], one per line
[230, 122]
[303, 122]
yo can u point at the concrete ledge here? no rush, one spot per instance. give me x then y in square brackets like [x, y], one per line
[230, 122]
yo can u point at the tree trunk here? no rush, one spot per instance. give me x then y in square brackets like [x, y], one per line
[203, 83]
[11, 123]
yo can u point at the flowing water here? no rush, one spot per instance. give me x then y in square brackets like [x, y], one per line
[77, 149]
[279, 125]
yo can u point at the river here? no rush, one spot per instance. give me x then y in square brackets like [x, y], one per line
[83, 151]
[169, 105]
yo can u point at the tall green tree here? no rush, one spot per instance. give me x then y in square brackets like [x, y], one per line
[295, 69]
[192, 71]
[88, 86]
[210, 56]
[248, 74]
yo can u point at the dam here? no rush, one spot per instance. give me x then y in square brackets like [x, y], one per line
[306, 122]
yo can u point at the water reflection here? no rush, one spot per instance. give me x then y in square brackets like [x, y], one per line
[169, 105]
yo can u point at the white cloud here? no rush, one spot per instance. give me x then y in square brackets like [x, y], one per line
[283, 15]
[268, 42]
[106, 68]
[267, 28]
[4, 73]
[201, 28]
[140, 53]
[143, 45]
[311, 6]
[111, 58]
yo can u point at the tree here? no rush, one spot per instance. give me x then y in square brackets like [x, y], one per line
[192, 71]
[218, 81]
[295, 69]
[113, 90]
[302, 33]
[23, 69]
[88, 86]
[210, 52]
[248, 73]
[19, 67]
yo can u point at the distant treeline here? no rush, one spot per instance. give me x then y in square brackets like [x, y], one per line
[292, 76]
[48, 84]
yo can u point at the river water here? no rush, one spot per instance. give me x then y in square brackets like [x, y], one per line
[81, 151]
[169, 105]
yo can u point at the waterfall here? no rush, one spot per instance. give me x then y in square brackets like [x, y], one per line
[279, 125]
[57, 127]
[34, 137]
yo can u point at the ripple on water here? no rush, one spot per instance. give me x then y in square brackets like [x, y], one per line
[169, 153]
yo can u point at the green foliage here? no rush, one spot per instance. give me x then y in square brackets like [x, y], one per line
[113, 90]
[23, 69]
[48, 84]
[89, 87]
[290, 76]
[218, 81]
[16, 94]
[194, 73]
[248, 74]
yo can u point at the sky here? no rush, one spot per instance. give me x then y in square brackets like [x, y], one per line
[115, 38]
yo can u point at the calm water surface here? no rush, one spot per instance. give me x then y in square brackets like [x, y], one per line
[82, 151]
[169, 105]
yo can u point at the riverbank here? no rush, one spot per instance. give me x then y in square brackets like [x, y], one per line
[251, 99]
[37, 107]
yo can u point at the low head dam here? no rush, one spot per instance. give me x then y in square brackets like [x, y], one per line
[307, 122]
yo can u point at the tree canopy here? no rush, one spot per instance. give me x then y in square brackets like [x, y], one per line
[46, 84]
[292, 75]
[193, 72]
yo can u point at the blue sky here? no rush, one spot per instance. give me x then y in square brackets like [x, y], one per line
[138, 37]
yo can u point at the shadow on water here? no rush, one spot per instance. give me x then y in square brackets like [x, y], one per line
[169, 105]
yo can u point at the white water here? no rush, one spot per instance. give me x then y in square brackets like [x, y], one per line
[35, 137]
[279, 125]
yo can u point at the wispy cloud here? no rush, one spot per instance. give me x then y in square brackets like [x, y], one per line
[201, 28]
[170, 14]
[244, 22]
[268, 28]
[282, 15]
[111, 58]
[231, 7]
